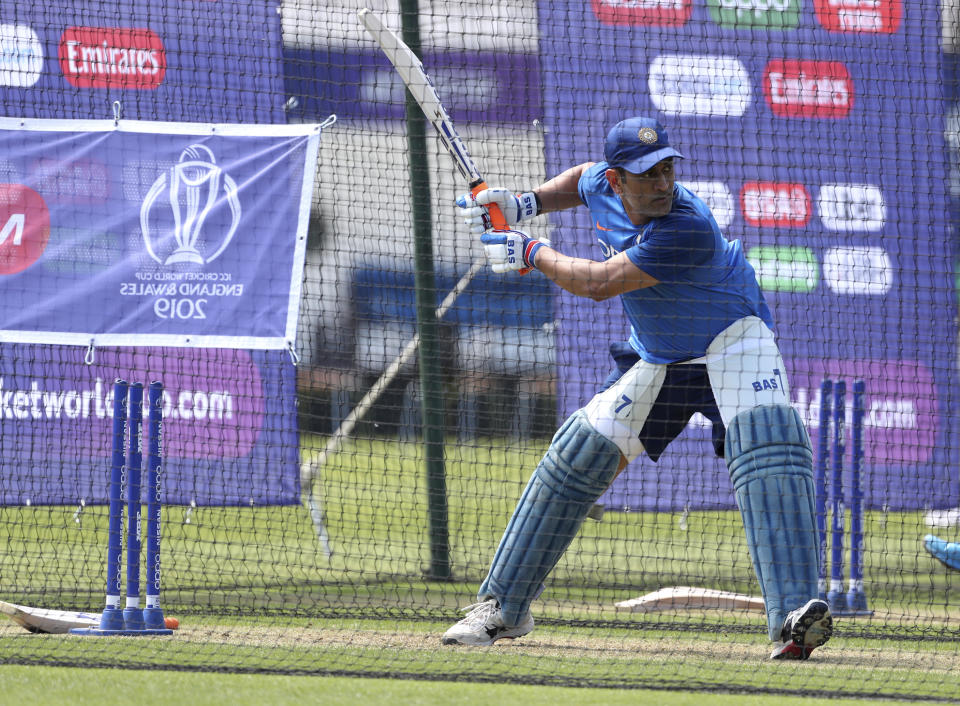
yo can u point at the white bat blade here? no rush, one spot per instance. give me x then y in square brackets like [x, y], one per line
[48, 621]
[410, 69]
[690, 598]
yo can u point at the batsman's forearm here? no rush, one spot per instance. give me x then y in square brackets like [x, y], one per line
[561, 192]
[589, 278]
[584, 278]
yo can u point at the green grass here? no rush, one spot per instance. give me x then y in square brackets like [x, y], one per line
[40, 686]
[256, 593]
[552, 656]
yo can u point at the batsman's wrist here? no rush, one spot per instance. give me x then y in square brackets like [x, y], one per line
[530, 249]
[528, 205]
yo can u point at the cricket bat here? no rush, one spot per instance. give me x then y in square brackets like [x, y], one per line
[57, 622]
[410, 69]
[690, 598]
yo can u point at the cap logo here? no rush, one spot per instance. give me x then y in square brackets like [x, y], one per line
[647, 135]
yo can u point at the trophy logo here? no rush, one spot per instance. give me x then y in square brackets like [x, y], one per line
[196, 187]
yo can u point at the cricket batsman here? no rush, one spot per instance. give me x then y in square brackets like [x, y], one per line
[701, 340]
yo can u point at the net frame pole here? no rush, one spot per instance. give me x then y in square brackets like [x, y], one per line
[431, 382]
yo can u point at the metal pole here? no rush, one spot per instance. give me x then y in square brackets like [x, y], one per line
[426, 298]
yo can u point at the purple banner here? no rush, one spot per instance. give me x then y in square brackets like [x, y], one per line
[153, 233]
[231, 415]
[797, 138]
[226, 420]
[183, 60]
[476, 87]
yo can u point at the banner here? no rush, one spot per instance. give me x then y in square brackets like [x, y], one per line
[809, 151]
[164, 234]
[204, 61]
[230, 415]
[230, 429]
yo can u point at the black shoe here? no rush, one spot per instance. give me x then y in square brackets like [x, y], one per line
[804, 629]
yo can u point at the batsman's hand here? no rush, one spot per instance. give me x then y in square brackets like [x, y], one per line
[514, 207]
[509, 250]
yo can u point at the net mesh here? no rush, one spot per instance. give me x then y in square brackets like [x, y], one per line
[331, 502]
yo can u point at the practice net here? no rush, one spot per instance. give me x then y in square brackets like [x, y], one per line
[354, 401]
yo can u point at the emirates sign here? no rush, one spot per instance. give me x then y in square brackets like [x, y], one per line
[859, 16]
[112, 57]
[808, 89]
[660, 13]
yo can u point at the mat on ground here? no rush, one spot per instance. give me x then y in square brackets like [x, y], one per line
[46, 620]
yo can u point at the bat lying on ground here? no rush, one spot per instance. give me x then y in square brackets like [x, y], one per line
[689, 598]
[45, 620]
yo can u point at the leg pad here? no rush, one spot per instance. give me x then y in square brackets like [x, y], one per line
[770, 460]
[577, 468]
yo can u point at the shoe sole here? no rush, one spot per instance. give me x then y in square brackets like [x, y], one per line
[505, 635]
[790, 651]
[810, 631]
[455, 641]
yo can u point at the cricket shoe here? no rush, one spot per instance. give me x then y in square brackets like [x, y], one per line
[804, 629]
[484, 625]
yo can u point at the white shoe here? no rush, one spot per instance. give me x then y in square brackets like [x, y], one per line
[484, 625]
[943, 518]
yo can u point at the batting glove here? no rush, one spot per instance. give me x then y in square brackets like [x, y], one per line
[514, 207]
[509, 250]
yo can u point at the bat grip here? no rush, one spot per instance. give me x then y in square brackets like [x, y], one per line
[496, 215]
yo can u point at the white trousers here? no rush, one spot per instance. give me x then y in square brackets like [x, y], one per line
[745, 371]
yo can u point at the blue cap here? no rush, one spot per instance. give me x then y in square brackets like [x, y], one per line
[636, 144]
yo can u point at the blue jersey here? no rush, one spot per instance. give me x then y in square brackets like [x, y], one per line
[705, 281]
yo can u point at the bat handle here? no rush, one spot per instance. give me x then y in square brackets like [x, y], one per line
[496, 215]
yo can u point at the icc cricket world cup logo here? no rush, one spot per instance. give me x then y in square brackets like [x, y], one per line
[196, 187]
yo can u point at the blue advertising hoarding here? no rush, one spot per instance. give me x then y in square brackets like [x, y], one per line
[229, 428]
[231, 414]
[828, 164]
[178, 60]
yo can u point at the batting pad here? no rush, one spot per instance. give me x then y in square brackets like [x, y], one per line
[577, 468]
[770, 459]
